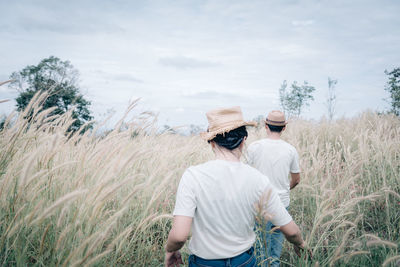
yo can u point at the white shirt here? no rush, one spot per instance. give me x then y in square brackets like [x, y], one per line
[275, 159]
[220, 196]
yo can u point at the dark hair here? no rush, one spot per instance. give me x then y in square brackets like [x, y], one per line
[275, 128]
[231, 139]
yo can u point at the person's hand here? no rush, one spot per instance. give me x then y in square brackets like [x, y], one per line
[300, 249]
[173, 259]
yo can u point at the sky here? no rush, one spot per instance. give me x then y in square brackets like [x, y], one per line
[183, 58]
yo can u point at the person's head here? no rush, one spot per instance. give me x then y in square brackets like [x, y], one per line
[232, 139]
[275, 121]
[226, 127]
[274, 128]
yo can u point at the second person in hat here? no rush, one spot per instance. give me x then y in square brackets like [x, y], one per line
[276, 159]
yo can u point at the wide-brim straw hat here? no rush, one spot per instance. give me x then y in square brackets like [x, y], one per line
[223, 120]
[276, 118]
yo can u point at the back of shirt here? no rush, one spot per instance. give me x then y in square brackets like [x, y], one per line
[275, 159]
[220, 196]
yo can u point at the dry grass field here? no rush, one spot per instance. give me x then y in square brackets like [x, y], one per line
[89, 200]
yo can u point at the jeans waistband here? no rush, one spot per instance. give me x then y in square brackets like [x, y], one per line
[250, 251]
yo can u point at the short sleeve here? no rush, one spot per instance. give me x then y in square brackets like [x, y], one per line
[274, 207]
[294, 165]
[185, 204]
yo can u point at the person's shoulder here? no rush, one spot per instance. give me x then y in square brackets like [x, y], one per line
[258, 179]
[288, 145]
[201, 167]
[253, 172]
[192, 173]
[256, 144]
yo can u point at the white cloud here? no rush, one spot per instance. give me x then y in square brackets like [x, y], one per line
[196, 55]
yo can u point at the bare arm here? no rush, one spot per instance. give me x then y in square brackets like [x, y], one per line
[176, 239]
[295, 180]
[179, 233]
[293, 235]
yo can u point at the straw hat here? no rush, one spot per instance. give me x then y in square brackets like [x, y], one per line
[223, 120]
[276, 118]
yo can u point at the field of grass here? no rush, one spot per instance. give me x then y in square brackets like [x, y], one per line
[85, 200]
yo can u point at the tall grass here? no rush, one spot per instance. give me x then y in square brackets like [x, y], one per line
[85, 200]
[348, 202]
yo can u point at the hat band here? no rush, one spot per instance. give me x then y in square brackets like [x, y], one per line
[267, 120]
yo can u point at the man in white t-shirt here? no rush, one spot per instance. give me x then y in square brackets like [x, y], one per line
[216, 201]
[276, 159]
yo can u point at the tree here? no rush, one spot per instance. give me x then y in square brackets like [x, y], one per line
[60, 79]
[331, 100]
[393, 87]
[293, 101]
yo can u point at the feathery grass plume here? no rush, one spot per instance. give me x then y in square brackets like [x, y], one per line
[393, 193]
[348, 256]
[62, 235]
[390, 260]
[157, 193]
[120, 237]
[95, 244]
[61, 217]
[131, 106]
[381, 243]
[3, 83]
[352, 254]
[350, 171]
[260, 208]
[43, 239]
[61, 201]
[26, 171]
[339, 249]
[21, 223]
[96, 258]
[42, 173]
[156, 219]
[5, 234]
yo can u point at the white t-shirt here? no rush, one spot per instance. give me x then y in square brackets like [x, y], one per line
[220, 196]
[275, 159]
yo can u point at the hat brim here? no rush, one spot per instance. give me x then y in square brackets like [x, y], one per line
[210, 135]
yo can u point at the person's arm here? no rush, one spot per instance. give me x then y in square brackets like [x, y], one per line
[295, 180]
[179, 233]
[176, 239]
[293, 235]
[282, 218]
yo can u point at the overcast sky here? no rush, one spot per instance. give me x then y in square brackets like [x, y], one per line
[186, 57]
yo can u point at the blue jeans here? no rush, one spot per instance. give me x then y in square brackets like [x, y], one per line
[246, 259]
[269, 246]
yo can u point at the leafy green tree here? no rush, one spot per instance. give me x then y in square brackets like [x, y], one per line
[393, 87]
[60, 79]
[293, 100]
